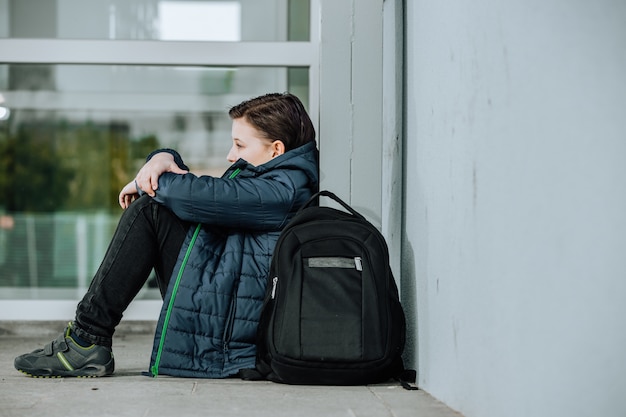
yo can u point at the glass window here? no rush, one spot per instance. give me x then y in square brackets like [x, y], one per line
[71, 136]
[167, 20]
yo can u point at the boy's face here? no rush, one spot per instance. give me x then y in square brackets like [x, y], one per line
[249, 144]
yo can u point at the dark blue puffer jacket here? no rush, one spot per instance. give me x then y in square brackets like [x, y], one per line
[207, 327]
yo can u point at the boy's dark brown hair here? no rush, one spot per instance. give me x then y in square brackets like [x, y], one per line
[278, 117]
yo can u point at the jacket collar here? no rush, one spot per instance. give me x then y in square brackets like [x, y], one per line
[304, 157]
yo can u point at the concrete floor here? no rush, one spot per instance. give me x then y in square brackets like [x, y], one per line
[129, 393]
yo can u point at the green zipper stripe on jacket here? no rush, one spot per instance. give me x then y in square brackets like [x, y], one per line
[157, 360]
[155, 367]
[234, 174]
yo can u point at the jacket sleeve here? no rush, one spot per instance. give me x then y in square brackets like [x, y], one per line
[177, 158]
[255, 203]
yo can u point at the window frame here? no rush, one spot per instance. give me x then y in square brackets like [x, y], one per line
[344, 56]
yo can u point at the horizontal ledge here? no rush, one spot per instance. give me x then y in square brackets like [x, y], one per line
[120, 102]
[71, 51]
[33, 310]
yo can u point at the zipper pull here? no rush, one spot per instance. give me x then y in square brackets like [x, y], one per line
[274, 285]
[358, 263]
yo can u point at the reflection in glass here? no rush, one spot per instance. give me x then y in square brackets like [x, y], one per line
[199, 21]
[76, 134]
[189, 20]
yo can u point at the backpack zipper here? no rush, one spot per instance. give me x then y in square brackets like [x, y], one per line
[155, 368]
[274, 285]
[358, 263]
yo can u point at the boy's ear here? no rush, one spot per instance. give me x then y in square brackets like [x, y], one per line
[278, 148]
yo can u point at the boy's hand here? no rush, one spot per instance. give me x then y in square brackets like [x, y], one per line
[128, 195]
[147, 178]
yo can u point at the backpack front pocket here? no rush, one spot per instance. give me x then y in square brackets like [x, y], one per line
[331, 309]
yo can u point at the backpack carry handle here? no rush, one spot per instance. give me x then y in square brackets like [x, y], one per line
[331, 195]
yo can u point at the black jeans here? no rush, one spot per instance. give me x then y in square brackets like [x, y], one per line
[148, 236]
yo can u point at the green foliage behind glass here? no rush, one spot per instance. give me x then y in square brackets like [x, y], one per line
[53, 165]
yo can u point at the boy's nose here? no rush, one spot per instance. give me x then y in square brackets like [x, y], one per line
[231, 156]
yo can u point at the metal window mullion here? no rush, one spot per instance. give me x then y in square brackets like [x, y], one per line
[71, 51]
[314, 68]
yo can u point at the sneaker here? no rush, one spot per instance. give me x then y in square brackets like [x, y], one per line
[64, 357]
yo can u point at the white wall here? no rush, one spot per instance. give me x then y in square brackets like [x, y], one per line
[515, 205]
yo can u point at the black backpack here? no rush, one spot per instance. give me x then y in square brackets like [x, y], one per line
[331, 315]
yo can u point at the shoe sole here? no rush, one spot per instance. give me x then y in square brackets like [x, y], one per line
[90, 371]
